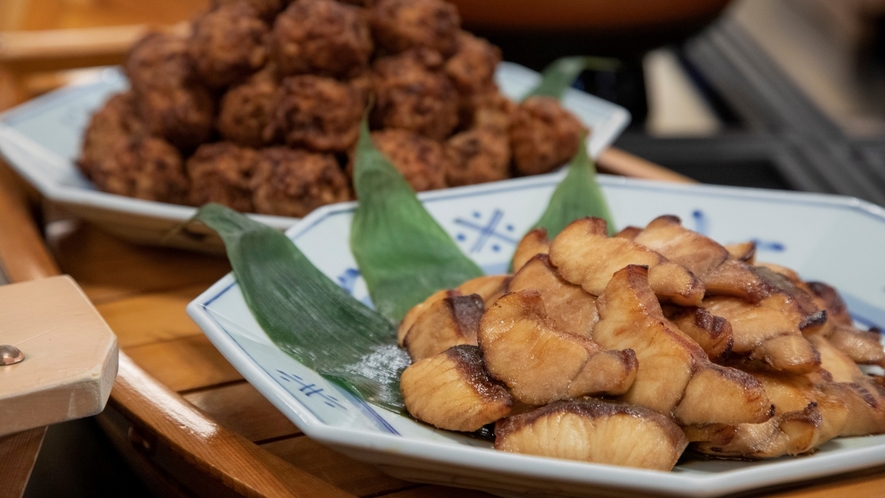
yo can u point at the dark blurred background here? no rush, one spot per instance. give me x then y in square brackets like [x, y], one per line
[783, 94]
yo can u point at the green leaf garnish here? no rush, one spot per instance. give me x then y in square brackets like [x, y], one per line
[307, 315]
[577, 195]
[402, 252]
[561, 73]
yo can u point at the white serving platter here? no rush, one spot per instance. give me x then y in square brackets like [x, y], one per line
[41, 139]
[827, 238]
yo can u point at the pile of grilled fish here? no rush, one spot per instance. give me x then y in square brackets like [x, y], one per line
[627, 349]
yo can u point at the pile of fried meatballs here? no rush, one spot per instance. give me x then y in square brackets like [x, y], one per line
[259, 107]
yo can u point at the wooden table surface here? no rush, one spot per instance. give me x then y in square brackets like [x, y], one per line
[142, 292]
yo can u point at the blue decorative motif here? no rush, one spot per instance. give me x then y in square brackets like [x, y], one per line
[702, 226]
[347, 280]
[486, 231]
[309, 390]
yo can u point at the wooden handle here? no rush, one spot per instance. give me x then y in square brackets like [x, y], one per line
[618, 162]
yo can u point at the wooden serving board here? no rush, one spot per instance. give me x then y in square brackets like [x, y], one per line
[70, 355]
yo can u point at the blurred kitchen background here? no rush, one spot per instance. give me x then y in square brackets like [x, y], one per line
[786, 94]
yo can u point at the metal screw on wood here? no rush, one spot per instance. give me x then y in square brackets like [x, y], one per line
[10, 355]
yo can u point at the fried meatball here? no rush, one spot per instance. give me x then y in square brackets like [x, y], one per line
[399, 25]
[113, 123]
[228, 44]
[170, 100]
[493, 110]
[421, 161]
[472, 71]
[294, 182]
[222, 172]
[144, 167]
[412, 93]
[319, 113]
[472, 68]
[246, 112]
[543, 135]
[322, 37]
[476, 156]
[265, 9]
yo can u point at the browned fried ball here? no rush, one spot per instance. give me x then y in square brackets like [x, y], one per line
[322, 37]
[265, 9]
[472, 67]
[543, 135]
[399, 25]
[412, 93]
[114, 122]
[168, 96]
[420, 160]
[222, 172]
[321, 114]
[228, 44]
[492, 110]
[143, 167]
[472, 71]
[477, 155]
[246, 112]
[294, 182]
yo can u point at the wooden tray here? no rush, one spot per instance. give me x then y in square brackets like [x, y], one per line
[183, 418]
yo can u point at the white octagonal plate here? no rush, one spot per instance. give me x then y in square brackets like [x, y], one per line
[837, 240]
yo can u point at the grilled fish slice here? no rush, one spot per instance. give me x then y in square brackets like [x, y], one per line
[864, 347]
[593, 430]
[864, 394]
[742, 251]
[416, 311]
[584, 255]
[533, 243]
[568, 306]
[675, 377]
[489, 287]
[791, 433]
[452, 391]
[540, 364]
[448, 322]
[712, 333]
[769, 330]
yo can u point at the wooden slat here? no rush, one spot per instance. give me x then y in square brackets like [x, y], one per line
[161, 419]
[618, 162]
[22, 253]
[153, 317]
[18, 453]
[333, 467]
[437, 492]
[53, 50]
[184, 364]
[110, 269]
[242, 409]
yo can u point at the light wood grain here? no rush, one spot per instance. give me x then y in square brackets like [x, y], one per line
[184, 364]
[136, 321]
[619, 162]
[70, 355]
[18, 453]
[109, 269]
[242, 409]
[329, 465]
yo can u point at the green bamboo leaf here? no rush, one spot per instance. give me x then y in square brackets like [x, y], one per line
[577, 195]
[561, 73]
[307, 315]
[402, 252]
